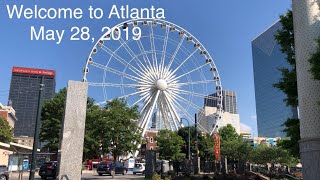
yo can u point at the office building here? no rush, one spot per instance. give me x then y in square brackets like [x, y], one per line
[24, 94]
[9, 114]
[229, 101]
[230, 111]
[271, 110]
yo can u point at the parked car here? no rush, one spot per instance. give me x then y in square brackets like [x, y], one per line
[4, 175]
[107, 167]
[48, 169]
[139, 168]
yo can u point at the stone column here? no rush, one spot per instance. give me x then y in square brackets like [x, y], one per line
[72, 133]
[150, 163]
[306, 17]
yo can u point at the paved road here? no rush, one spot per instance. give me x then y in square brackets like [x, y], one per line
[118, 176]
[85, 176]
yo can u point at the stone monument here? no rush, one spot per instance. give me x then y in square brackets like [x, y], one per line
[306, 17]
[73, 128]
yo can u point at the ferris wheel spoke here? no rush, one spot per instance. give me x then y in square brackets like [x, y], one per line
[188, 116]
[155, 99]
[175, 70]
[121, 60]
[188, 72]
[175, 53]
[164, 50]
[118, 85]
[169, 117]
[147, 100]
[129, 50]
[165, 120]
[174, 84]
[201, 128]
[143, 97]
[128, 76]
[169, 100]
[153, 48]
[178, 97]
[150, 68]
[143, 52]
[193, 93]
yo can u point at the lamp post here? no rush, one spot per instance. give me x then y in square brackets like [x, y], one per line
[188, 136]
[36, 132]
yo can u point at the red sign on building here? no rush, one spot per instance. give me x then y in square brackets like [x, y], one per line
[42, 72]
[216, 145]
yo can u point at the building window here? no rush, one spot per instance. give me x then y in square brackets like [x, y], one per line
[151, 140]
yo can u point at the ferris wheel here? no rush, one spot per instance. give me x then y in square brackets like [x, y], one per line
[158, 66]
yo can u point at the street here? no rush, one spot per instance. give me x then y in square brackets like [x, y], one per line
[85, 176]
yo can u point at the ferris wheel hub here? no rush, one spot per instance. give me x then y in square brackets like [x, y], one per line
[161, 84]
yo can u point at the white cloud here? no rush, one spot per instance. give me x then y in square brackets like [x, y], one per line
[244, 127]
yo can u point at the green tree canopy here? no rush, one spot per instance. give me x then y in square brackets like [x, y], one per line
[264, 154]
[233, 145]
[5, 131]
[169, 144]
[51, 117]
[288, 81]
[228, 133]
[118, 129]
[292, 129]
[205, 142]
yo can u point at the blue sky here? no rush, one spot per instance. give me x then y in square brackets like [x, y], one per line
[225, 28]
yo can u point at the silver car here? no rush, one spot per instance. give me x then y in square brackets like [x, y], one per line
[139, 168]
[4, 175]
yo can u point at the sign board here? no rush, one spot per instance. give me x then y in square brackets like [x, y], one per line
[42, 72]
[216, 145]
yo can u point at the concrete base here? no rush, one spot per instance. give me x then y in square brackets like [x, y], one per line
[310, 153]
[73, 128]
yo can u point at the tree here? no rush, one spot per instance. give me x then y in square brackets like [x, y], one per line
[51, 123]
[205, 142]
[227, 133]
[91, 142]
[229, 141]
[169, 144]
[292, 129]
[118, 129]
[264, 154]
[288, 82]
[5, 131]
[51, 118]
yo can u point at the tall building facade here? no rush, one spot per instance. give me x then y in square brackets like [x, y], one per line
[23, 96]
[230, 113]
[229, 101]
[271, 110]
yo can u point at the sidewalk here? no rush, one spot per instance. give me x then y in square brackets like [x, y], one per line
[25, 175]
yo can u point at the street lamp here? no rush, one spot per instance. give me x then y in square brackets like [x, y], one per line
[188, 136]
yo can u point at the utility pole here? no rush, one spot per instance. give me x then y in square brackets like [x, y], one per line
[197, 149]
[36, 132]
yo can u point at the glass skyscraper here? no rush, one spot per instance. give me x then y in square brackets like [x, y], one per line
[23, 96]
[271, 110]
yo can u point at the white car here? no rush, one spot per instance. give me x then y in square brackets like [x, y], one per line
[139, 168]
